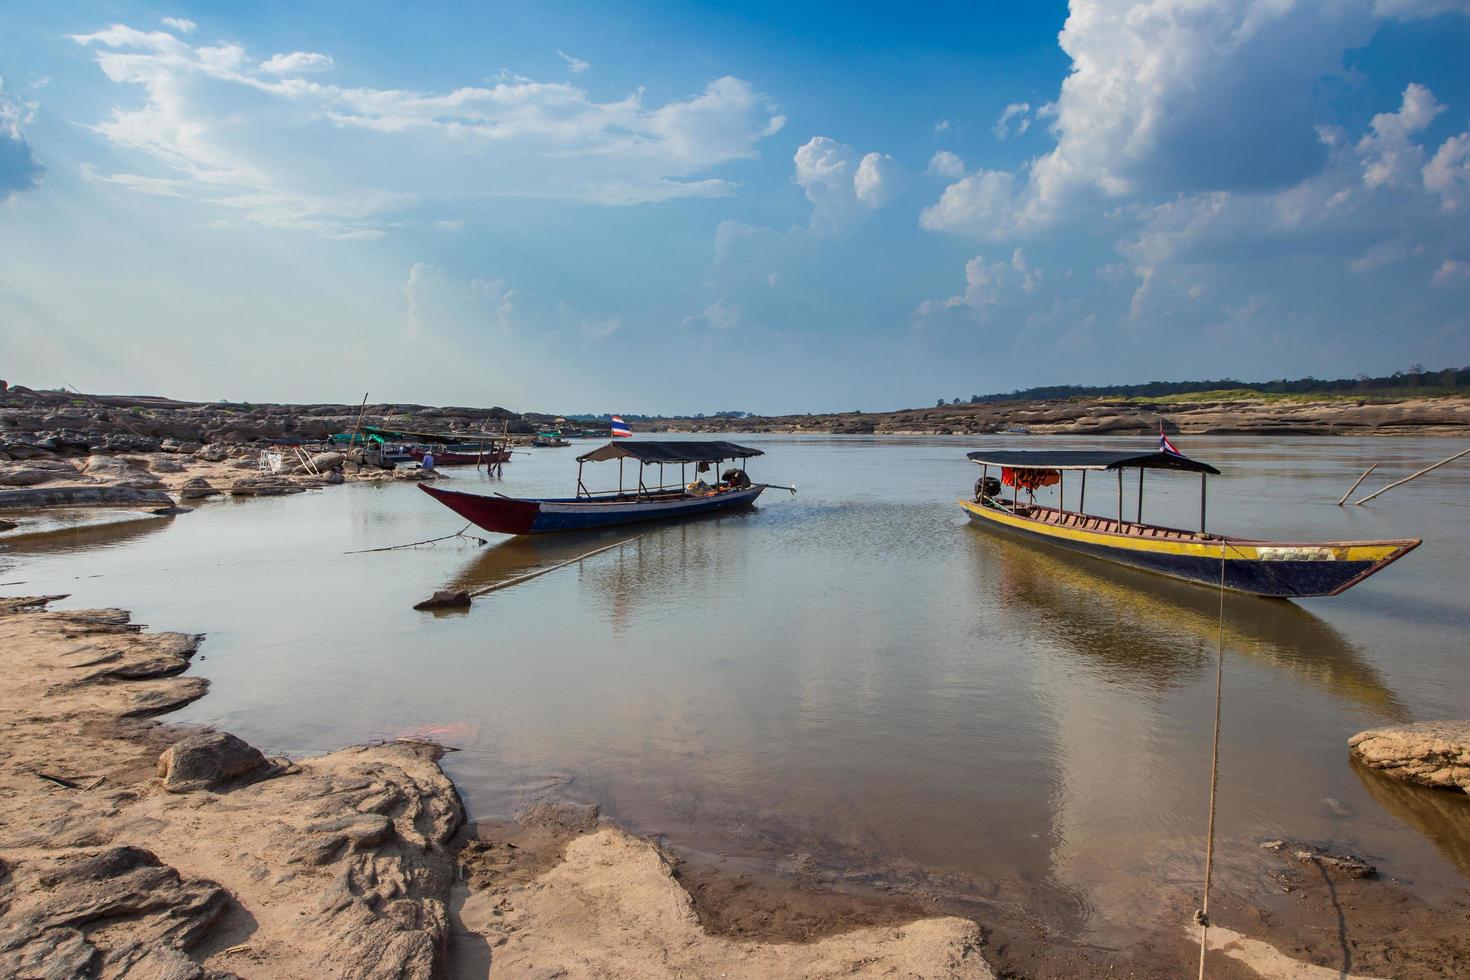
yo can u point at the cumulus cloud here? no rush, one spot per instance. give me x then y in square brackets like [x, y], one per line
[1166, 98]
[945, 164]
[1450, 271]
[1448, 173]
[19, 169]
[249, 138]
[574, 65]
[987, 286]
[296, 63]
[181, 24]
[1014, 120]
[840, 185]
[1390, 155]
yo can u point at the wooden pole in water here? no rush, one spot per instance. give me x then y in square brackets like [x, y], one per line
[1451, 459]
[1355, 484]
[358, 427]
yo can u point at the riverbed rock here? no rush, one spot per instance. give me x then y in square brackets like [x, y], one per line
[198, 488]
[263, 486]
[209, 760]
[29, 473]
[120, 472]
[1337, 863]
[215, 452]
[84, 496]
[8, 526]
[104, 913]
[328, 461]
[1431, 753]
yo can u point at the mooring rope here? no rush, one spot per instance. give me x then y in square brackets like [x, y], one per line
[1202, 916]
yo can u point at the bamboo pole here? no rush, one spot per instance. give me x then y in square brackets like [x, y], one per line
[358, 427]
[1355, 484]
[550, 568]
[1451, 459]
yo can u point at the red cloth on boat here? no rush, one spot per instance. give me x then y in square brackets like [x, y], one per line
[1029, 479]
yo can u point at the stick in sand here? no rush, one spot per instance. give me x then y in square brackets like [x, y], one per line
[1355, 484]
[1364, 500]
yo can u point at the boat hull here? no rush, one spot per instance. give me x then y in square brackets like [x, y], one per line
[450, 457]
[510, 515]
[1286, 570]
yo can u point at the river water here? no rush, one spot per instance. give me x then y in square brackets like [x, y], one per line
[854, 673]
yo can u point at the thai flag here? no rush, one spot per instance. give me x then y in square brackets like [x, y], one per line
[620, 428]
[1165, 446]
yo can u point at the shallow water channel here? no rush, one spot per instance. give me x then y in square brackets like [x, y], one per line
[854, 673]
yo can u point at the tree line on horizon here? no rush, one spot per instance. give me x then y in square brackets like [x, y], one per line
[1415, 377]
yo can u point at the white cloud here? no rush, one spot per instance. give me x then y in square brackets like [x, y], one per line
[721, 315]
[600, 328]
[453, 224]
[1449, 271]
[181, 24]
[499, 295]
[942, 125]
[1448, 173]
[945, 164]
[1379, 256]
[988, 285]
[1013, 120]
[1390, 156]
[296, 63]
[251, 140]
[874, 181]
[574, 65]
[1169, 97]
[840, 186]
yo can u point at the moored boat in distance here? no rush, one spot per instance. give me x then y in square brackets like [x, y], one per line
[589, 509]
[1282, 569]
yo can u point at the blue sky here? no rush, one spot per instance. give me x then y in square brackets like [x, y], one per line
[690, 207]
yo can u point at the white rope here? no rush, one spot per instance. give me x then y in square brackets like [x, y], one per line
[1203, 915]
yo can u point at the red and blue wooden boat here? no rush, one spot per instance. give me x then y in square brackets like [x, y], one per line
[1282, 569]
[588, 510]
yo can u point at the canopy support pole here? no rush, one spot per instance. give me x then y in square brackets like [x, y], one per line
[1082, 501]
[1140, 495]
[1202, 478]
[1061, 491]
[1120, 500]
[581, 488]
[620, 475]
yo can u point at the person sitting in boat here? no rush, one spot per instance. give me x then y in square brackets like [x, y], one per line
[428, 461]
[735, 478]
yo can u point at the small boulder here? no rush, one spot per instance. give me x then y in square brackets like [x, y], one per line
[197, 489]
[333, 478]
[263, 486]
[327, 461]
[215, 452]
[207, 760]
[8, 525]
[446, 599]
[1431, 753]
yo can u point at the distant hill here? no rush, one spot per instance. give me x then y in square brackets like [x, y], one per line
[1415, 381]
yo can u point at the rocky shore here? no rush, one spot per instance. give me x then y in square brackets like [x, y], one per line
[1203, 415]
[131, 847]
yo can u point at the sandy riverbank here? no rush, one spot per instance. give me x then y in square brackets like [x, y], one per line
[221, 862]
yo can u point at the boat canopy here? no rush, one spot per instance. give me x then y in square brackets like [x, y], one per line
[1088, 460]
[650, 451]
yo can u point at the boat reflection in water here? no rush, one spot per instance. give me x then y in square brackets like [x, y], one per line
[1139, 629]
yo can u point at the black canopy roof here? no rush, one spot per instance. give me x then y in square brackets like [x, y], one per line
[1088, 460]
[650, 451]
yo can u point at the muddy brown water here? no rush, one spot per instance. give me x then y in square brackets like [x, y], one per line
[853, 675]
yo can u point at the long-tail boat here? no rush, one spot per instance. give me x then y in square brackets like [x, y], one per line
[1282, 569]
[625, 505]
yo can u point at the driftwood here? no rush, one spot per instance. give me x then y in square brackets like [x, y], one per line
[414, 544]
[1355, 484]
[1411, 476]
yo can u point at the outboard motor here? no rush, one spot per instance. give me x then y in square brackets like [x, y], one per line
[735, 477]
[986, 486]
